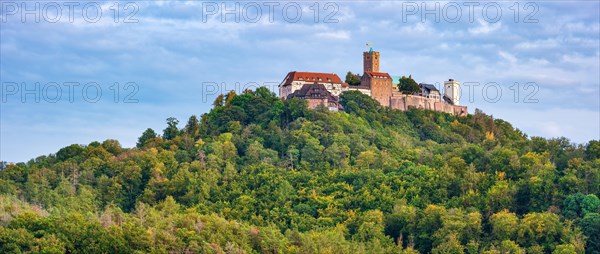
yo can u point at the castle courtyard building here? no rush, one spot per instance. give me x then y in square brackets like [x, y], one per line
[430, 91]
[380, 84]
[316, 95]
[295, 80]
[325, 88]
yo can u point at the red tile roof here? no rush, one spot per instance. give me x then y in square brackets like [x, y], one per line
[312, 77]
[373, 73]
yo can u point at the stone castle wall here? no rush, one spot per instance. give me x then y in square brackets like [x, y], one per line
[404, 102]
[313, 103]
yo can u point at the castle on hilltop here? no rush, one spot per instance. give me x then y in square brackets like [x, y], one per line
[325, 88]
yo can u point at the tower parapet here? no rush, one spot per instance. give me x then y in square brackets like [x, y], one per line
[452, 91]
[371, 61]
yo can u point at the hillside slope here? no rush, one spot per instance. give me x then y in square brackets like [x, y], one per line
[259, 175]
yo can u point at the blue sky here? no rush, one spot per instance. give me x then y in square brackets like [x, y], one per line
[175, 51]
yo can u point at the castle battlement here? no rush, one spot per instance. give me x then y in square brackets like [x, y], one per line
[379, 86]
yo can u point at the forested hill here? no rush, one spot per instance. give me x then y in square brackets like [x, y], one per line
[260, 175]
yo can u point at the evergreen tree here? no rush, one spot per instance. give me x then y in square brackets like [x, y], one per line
[171, 131]
[408, 85]
[192, 127]
[352, 79]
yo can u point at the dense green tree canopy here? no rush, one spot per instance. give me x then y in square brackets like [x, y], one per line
[148, 135]
[352, 79]
[408, 85]
[261, 175]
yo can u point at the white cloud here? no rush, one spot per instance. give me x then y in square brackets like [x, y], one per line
[581, 27]
[508, 57]
[538, 44]
[340, 35]
[485, 27]
[170, 51]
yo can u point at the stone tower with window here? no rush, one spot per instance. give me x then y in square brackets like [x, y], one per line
[452, 91]
[380, 83]
[371, 61]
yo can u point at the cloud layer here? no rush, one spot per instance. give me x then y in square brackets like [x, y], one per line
[548, 51]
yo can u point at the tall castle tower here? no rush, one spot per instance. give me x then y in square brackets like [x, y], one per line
[452, 91]
[379, 83]
[371, 61]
